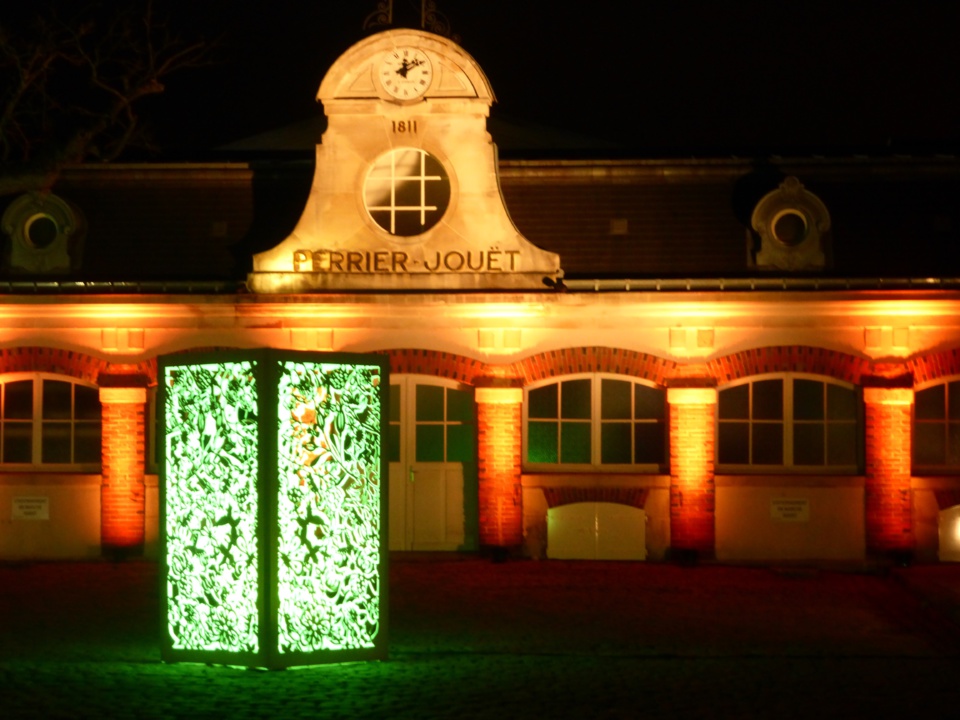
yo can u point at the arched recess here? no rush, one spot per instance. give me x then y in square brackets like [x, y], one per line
[437, 363]
[553, 363]
[87, 509]
[790, 358]
[935, 365]
[70, 363]
[948, 525]
[617, 361]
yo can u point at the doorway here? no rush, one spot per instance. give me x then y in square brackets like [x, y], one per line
[433, 476]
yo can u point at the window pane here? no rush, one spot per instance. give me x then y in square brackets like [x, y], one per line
[735, 403]
[18, 400]
[930, 404]
[929, 444]
[842, 444]
[407, 192]
[841, 403]
[429, 402]
[615, 400]
[575, 400]
[459, 406]
[807, 400]
[393, 443]
[86, 443]
[17, 442]
[574, 442]
[615, 443]
[953, 400]
[953, 444]
[55, 442]
[86, 403]
[768, 400]
[460, 443]
[767, 444]
[57, 400]
[542, 442]
[394, 403]
[734, 440]
[429, 443]
[543, 402]
[648, 402]
[808, 445]
[649, 443]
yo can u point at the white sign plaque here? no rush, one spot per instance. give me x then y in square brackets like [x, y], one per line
[31, 508]
[790, 509]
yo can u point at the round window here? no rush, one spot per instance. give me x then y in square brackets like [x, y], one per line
[406, 192]
[40, 231]
[790, 227]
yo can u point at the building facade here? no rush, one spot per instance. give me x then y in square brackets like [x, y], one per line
[640, 359]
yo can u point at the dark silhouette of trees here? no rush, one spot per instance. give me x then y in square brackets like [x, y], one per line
[72, 82]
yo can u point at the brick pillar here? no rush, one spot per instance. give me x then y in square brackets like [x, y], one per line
[692, 439]
[122, 490]
[887, 493]
[499, 434]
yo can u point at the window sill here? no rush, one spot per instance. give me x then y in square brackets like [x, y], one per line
[593, 478]
[790, 480]
[45, 477]
[935, 481]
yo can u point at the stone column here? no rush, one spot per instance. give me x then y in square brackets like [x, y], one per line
[692, 441]
[499, 433]
[889, 425]
[122, 490]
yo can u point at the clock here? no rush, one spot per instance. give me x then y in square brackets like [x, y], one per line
[405, 73]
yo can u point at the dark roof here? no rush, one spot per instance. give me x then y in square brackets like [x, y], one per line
[514, 137]
[891, 218]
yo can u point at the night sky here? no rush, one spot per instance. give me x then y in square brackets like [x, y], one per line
[657, 78]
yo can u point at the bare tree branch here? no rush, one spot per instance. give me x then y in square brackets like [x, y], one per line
[70, 85]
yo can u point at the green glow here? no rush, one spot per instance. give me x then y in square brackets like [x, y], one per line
[328, 512]
[211, 506]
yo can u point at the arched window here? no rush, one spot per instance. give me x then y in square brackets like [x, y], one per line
[936, 428]
[792, 422]
[595, 421]
[49, 421]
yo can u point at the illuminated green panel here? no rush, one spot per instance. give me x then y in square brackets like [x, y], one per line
[328, 514]
[211, 506]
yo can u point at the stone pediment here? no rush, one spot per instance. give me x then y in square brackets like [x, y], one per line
[406, 191]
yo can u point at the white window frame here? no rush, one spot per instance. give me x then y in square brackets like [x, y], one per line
[945, 469]
[596, 425]
[36, 463]
[788, 466]
[407, 422]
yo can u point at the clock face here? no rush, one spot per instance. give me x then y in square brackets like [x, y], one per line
[405, 73]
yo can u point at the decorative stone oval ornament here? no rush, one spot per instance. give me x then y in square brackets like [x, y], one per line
[40, 227]
[792, 224]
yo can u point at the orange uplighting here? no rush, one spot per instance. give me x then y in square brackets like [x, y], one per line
[888, 468]
[122, 498]
[692, 439]
[499, 465]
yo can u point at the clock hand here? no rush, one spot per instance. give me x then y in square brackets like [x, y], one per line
[407, 66]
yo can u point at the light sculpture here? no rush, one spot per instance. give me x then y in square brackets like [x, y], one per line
[273, 508]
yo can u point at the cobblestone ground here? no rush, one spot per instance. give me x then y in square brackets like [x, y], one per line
[474, 639]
